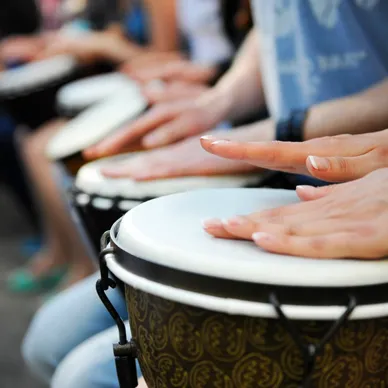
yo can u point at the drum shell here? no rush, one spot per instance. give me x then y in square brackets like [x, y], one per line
[184, 346]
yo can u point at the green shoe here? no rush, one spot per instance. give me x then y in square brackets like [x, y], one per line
[22, 281]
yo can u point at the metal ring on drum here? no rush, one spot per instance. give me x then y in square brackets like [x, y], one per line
[211, 312]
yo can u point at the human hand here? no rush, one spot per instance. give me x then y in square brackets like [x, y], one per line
[21, 48]
[340, 221]
[181, 70]
[186, 158]
[163, 124]
[333, 159]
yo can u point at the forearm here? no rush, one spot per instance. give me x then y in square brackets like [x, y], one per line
[163, 24]
[364, 112]
[240, 90]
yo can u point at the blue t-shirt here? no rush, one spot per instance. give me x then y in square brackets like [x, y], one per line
[318, 50]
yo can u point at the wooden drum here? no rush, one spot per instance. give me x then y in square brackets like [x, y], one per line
[206, 312]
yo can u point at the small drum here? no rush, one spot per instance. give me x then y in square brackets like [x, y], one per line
[28, 92]
[77, 96]
[101, 201]
[207, 312]
[93, 125]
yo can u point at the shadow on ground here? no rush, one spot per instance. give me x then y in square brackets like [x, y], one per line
[15, 310]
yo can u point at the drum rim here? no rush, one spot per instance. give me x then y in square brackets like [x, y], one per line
[150, 276]
[10, 93]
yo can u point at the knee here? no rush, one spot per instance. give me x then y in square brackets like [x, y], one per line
[40, 350]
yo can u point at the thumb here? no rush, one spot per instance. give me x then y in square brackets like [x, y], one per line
[338, 169]
[310, 193]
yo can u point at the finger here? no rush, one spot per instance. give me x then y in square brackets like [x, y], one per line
[310, 193]
[341, 169]
[183, 126]
[334, 245]
[112, 145]
[215, 228]
[172, 93]
[279, 156]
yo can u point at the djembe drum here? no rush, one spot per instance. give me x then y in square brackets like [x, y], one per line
[74, 98]
[207, 312]
[93, 125]
[28, 92]
[101, 201]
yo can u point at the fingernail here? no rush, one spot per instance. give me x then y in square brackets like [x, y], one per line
[304, 187]
[211, 223]
[207, 137]
[220, 142]
[235, 221]
[260, 236]
[320, 164]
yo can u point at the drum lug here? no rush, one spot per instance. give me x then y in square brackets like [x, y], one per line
[310, 352]
[125, 352]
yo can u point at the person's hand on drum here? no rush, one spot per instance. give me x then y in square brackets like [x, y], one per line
[185, 158]
[177, 70]
[333, 159]
[163, 124]
[21, 48]
[341, 221]
[90, 47]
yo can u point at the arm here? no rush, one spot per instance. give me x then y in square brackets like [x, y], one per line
[163, 24]
[363, 112]
[239, 92]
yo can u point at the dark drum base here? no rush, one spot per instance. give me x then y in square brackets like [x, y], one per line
[183, 346]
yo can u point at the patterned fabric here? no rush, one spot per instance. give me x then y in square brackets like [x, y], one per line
[181, 346]
[318, 50]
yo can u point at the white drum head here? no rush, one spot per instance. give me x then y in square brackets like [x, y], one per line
[97, 122]
[91, 181]
[36, 74]
[168, 231]
[81, 94]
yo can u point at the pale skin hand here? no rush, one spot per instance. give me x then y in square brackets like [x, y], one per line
[341, 221]
[186, 158]
[238, 94]
[21, 48]
[332, 159]
[176, 70]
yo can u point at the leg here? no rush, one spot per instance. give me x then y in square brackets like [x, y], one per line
[90, 365]
[65, 322]
[63, 245]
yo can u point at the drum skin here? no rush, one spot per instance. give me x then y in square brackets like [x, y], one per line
[183, 346]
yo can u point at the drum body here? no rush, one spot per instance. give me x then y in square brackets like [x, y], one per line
[218, 313]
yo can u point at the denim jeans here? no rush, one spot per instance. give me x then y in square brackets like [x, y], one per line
[69, 342]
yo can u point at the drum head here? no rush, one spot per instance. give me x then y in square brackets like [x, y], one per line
[79, 95]
[91, 181]
[97, 122]
[35, 75]
[168, 231]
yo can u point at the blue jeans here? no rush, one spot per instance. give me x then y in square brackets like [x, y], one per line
[69, 342]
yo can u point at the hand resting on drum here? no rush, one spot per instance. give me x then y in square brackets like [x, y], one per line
[92, 47]
[332, 159]
[182, 70]
[346, 220]
[163, 124]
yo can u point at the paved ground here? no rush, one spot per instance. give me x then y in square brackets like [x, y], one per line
[15, 311]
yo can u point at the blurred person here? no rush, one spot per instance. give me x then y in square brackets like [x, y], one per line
[63, 251]
[315, 71]
[82, 335]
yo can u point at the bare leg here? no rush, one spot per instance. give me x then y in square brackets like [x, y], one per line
[63, 245]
